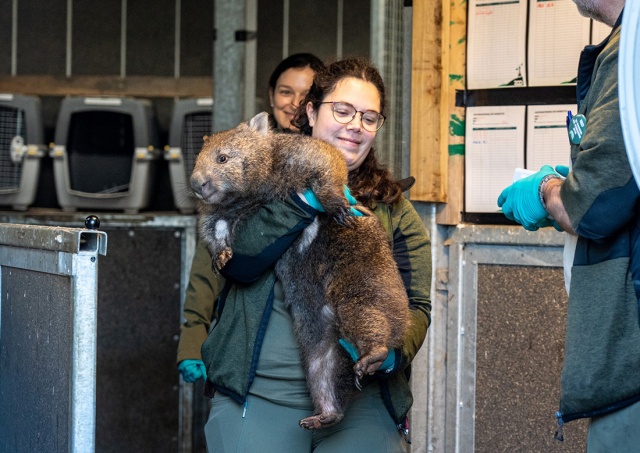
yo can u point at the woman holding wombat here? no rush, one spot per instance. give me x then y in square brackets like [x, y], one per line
[288, 85]
[253, 360]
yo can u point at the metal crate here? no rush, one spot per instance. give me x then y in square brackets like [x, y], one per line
[21, 149]
[48, 308]
[139, 313]
[190, 122]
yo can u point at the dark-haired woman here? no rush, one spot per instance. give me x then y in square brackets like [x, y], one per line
[288, 85]
[254, 370]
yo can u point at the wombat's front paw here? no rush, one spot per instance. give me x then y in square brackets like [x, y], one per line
[223, 258]
[320, 421]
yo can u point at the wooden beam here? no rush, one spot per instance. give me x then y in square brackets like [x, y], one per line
[140, 86]
[428, 163]
[454, 41]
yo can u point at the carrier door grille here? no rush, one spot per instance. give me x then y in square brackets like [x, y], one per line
[195, 127]
[11, 126]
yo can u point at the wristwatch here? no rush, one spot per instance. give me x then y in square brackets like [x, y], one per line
[543, 183]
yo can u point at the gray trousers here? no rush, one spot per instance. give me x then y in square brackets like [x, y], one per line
[263, 426]
[617, 432]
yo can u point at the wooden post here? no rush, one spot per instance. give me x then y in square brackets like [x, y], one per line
[428, 162]
[454, 41]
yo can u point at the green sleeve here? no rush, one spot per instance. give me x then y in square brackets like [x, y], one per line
[600, 194]
[412, 251]
[259, 242]
[262, 239]
[200, 300]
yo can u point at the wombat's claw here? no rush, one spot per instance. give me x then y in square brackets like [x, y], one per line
[223, 257]
[345, 219]
[320, 421]
[358, 385]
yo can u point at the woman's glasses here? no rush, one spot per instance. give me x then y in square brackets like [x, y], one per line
[344, 113]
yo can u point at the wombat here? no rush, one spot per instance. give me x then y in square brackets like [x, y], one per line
[339, 278]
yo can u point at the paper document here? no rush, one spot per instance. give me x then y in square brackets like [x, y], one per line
[557, 35]
[547, 136]
[496, 34]
[494, 147]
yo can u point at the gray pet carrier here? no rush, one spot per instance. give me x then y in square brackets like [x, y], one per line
[21, 149]
[104, 153]
[190, 122]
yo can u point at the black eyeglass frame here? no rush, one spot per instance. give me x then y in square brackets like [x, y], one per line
[355, 112]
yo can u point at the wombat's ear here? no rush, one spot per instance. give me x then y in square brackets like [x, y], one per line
[260, 123]
[205, 138]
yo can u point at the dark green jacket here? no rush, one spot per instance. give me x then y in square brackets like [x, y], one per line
[232, 349]
[602, 347]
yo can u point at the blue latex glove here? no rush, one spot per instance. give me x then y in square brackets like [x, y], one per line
[313, 201]
[521, 201]
[192, 370]
[387, 365]
[563, 170]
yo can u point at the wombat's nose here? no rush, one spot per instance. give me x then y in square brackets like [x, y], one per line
[197, 183]
[202, 186]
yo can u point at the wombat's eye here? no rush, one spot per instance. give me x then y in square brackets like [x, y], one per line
[222, 158]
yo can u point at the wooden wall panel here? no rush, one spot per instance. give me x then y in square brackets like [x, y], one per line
[437, 125]
[428, 162]
[454, 42]
[140, 86]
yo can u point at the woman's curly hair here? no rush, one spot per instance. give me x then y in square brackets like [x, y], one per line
[370, 182]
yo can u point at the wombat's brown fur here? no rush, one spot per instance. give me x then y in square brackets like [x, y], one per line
[240, 169]
[338, 281]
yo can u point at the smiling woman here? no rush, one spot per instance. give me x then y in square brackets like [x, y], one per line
[356, 82]
[252, 360]
[353, 137]
[289, 84]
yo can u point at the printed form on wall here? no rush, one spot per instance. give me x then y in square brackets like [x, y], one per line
[497, 43]
[557, 35]
[547, 136]
[494, 149]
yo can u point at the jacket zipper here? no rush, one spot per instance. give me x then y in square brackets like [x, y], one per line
[404, 429]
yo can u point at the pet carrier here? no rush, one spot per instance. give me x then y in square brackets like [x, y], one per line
[104, 153]
[21, 149]
[190, 122]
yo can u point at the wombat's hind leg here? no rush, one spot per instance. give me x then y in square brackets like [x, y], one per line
[335, 204]
[345, 219]
[341, 214]
[369, 363]
[324, 380]
[321, 420]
